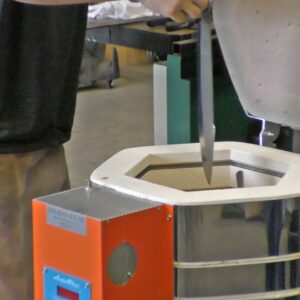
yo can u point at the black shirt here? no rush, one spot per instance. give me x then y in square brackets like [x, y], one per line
[40, 55]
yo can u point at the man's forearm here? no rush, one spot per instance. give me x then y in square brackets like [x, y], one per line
[179, 10]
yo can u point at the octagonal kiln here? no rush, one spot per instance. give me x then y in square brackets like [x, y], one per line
[226, 231]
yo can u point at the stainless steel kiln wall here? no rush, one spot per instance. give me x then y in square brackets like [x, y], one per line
[237, 231]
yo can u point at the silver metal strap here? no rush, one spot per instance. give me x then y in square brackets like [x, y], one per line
[237, 262]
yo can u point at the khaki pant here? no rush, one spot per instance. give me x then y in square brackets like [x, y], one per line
[22, 178]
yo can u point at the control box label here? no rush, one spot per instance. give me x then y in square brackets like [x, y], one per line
[66, 219]
[61, 286]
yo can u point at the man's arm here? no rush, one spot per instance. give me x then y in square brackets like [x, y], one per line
[179, 10]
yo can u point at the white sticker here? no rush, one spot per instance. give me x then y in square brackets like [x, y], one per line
[66, 219]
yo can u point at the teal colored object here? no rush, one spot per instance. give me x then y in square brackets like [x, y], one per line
[179, 103]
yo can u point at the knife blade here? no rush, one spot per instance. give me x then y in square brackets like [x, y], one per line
[205, 93]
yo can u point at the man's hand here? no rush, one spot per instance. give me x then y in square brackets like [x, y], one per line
[179, 10]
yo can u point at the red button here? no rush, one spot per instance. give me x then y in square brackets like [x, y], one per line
[70, 295]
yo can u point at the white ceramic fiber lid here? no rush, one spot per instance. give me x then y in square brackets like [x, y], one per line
[270, 174]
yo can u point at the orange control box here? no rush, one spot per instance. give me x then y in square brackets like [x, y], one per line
[96, 244]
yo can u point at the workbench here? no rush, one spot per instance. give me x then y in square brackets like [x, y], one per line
[136, 34]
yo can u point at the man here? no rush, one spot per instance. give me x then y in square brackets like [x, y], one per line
[40, 54]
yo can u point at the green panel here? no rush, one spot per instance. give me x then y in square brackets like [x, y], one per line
[232, 124]
[179, 103]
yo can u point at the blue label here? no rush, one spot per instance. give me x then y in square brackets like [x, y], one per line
[54, 280]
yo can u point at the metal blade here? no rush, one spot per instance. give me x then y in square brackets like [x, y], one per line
[205, 93]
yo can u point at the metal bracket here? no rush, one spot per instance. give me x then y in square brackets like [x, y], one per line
[269, 134]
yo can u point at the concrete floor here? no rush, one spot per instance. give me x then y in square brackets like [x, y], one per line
[107, 121]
